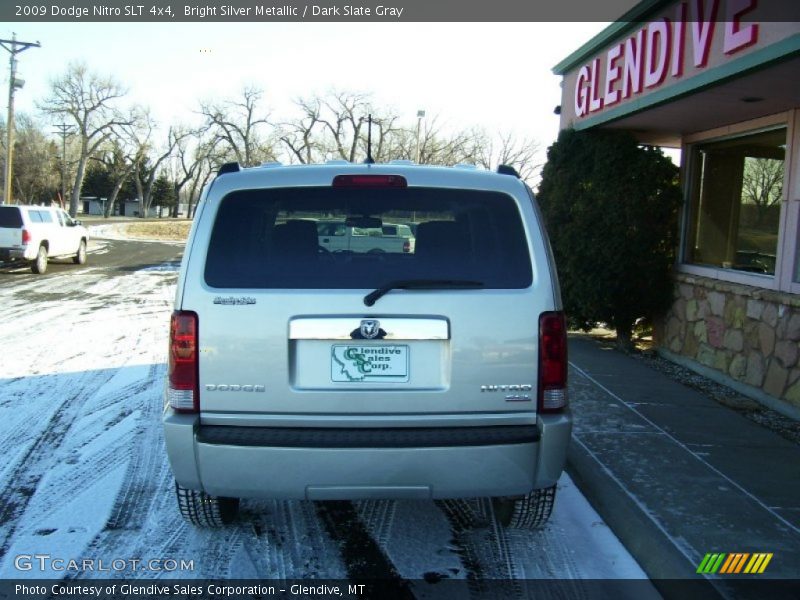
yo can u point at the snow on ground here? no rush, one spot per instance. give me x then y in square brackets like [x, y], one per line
[85, 476]
[117, 231]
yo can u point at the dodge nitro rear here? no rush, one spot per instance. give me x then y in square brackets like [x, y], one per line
[299, 371]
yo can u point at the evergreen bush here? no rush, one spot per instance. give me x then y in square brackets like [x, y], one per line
[611, 208]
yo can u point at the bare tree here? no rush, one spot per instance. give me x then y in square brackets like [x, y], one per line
[334, 126]
[145, 173]
[237, 125]
[90, 102]
[36, 172]
[343, 116]
[508, 149]
[762, 183]
[119, 160]
[209, 157]
[299, 135]
[437, 147]
[185, 166]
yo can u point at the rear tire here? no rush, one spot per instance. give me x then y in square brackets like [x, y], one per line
[530, 511]
[202, 510]
[80, 255]
[39, 265]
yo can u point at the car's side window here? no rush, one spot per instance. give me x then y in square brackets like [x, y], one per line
[41, 216]
[331, 229]
[35, 216]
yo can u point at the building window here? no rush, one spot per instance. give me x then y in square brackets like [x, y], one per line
[736, 196]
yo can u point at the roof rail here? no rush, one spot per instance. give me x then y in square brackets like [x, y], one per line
[271, 163]
[508, 170]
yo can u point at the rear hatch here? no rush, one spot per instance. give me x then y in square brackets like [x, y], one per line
[288, 328]
[10, 227]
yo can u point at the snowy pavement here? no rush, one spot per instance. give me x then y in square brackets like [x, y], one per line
[84, 475]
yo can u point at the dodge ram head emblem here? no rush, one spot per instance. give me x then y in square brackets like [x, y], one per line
[370, 328]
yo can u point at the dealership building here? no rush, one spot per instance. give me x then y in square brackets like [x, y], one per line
[719, 80]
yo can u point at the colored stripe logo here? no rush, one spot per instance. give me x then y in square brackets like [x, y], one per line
[734, 563]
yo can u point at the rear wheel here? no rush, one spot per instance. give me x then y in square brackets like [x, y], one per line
[203, 510]
[80, 255]
[530, 511]
[39, 265]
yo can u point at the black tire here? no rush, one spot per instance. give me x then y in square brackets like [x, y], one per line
[530, 511]
[80, 255]
[203, 510]
[39, 265]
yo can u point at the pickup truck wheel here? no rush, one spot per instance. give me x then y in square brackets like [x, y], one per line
[530, 511]
[80, 256]
[39, 265]
[203, 510]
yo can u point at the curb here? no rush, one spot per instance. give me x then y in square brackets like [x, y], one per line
[671, 572]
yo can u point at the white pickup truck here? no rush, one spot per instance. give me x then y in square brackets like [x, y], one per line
[338, 236]
[34, 233]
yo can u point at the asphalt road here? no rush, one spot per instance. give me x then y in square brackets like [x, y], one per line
[110, 255]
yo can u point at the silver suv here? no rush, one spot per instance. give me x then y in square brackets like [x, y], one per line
[300, 373]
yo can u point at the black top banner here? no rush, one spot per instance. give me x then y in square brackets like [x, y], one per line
[355, 10]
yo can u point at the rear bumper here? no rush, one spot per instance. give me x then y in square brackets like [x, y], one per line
[13, 254]
[336, 464]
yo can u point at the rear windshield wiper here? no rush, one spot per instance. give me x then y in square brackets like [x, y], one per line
[420, 284]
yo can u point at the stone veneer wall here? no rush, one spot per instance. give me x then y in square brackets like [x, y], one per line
[748, 333]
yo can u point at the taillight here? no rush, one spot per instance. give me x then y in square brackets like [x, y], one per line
[407, 246]
[552, 362]
[370, 181]
[26, 237]
[182, 392]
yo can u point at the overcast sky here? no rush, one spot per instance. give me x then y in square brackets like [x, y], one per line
[494, 75]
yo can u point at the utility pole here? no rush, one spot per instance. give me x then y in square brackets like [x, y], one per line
[420, 116]
[14, 47]
[64, 130]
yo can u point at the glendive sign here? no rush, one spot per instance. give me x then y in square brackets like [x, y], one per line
[663, 48]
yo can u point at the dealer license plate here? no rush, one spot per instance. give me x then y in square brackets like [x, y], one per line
[354, 363]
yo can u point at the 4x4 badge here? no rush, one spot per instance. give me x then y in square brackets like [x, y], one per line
[370, 328]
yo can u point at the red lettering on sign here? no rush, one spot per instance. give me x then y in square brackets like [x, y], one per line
[595, 101]
[677, 40]
[658, 41]
[703, 30]
[581, 96]
[736, 36]
[632, 73]
[612, 75]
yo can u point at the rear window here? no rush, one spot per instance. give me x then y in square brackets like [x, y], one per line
[340, 238]
[10, 217]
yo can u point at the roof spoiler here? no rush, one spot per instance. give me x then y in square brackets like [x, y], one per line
[231, 167]
[508, 170]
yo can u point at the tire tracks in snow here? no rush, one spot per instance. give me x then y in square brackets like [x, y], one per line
[362, 555]
[21, 483]
[483, 547]
[133, 500]
[286, 539]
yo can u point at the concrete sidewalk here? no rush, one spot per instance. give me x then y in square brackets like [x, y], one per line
[677, 475]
